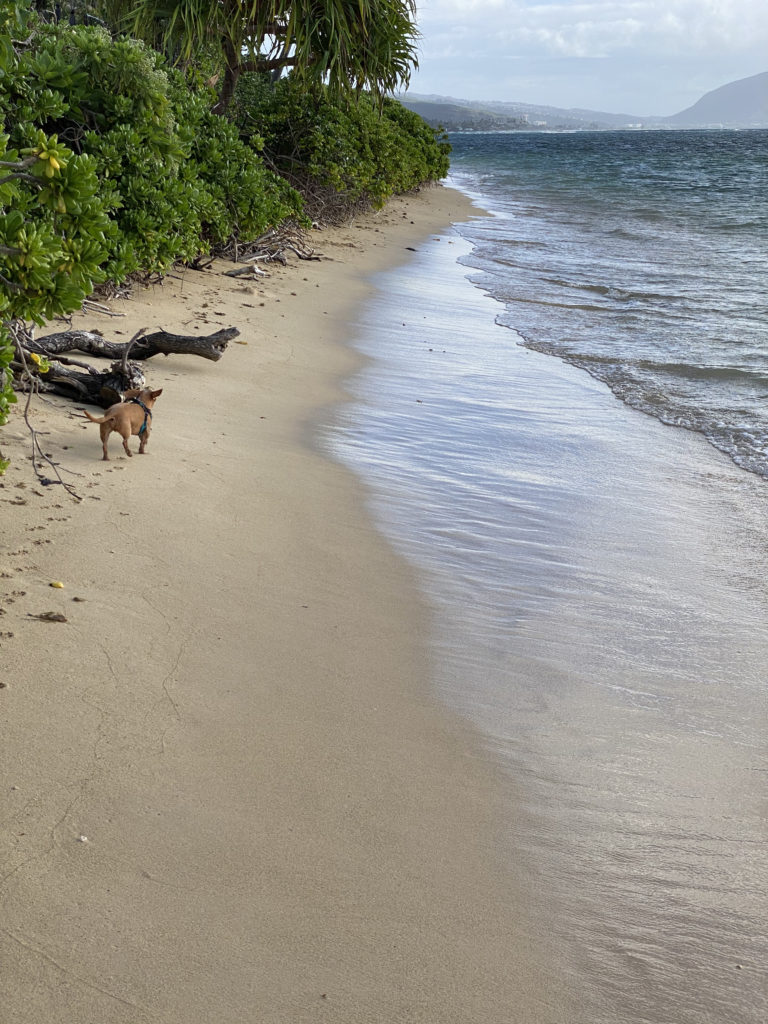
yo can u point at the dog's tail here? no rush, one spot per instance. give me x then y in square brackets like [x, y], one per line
[96, 419]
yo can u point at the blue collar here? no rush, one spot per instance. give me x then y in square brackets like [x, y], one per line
[147, 414]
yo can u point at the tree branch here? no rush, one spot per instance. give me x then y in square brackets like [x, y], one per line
[210, 346]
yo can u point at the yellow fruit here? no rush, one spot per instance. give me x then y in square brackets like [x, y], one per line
[57, 584]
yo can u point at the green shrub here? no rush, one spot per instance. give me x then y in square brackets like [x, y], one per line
[53, 230]
[148, 177]
[424, 151]
[242, 198]
[53, 227]
[339, 154]
[112, 164]
[175, 179]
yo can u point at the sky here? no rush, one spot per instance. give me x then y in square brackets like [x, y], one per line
[642, 57]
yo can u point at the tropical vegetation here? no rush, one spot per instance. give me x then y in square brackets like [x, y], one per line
[146, 134]
[342, 44]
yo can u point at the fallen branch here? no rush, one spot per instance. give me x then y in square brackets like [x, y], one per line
[104, 387]
[99, 307]
[210, 346]
[248, 270]
[36, 370]
[93, 387]
[128, 347]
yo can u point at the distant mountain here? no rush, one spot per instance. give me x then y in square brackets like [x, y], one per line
[459, 115]
[494, 115]
[741, 104]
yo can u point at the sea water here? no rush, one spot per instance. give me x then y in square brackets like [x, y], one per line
[597, 576]
[641, 257]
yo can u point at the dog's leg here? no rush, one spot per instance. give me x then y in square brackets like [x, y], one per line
[124, 430]
[144, 440]
[105, 430]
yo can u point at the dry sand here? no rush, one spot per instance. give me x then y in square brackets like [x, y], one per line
[228, 793]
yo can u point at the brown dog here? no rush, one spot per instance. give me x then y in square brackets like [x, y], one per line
[133, 416]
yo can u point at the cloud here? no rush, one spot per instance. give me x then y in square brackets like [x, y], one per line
[583, 38]
[600, 28]
[641, 56]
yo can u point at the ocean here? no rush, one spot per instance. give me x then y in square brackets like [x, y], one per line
[596, 573]
[641, 257]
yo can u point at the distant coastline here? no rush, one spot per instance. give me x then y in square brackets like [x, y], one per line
[737, 105]
[553, 130]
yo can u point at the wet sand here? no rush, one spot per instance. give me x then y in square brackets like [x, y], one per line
[597, 582]
[228, 793]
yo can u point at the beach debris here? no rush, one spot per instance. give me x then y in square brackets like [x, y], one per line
[82, 839]
[38, 366]
[27, 377]
[250, 270]
[49, 617]
[98, 307]
[270, 247]
[57, 584]
[141, 346]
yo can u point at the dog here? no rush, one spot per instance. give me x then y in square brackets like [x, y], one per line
[133, 416]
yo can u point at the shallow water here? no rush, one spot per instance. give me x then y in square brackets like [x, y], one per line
[598, 581]
[640, 257]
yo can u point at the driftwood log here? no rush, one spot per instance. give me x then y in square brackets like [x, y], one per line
[84, 383]
[91, 386]
[210, 346]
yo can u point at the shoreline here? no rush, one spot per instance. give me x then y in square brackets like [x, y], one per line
[230, 792]
[600, 616]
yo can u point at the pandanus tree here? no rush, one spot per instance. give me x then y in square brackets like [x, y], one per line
[348, 45]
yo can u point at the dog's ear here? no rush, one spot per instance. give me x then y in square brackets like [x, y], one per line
[156, 394]
[132, 393]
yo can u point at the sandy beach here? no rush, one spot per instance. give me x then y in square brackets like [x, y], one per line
[228, 791]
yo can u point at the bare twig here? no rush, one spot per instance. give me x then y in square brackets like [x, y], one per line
[99, 308]
[66, 361]
[18, 331]
[124, 362]
[19, 165]
[22, 176]
[250, 270]
[271, 246]
[11, 285]
[202, 263]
